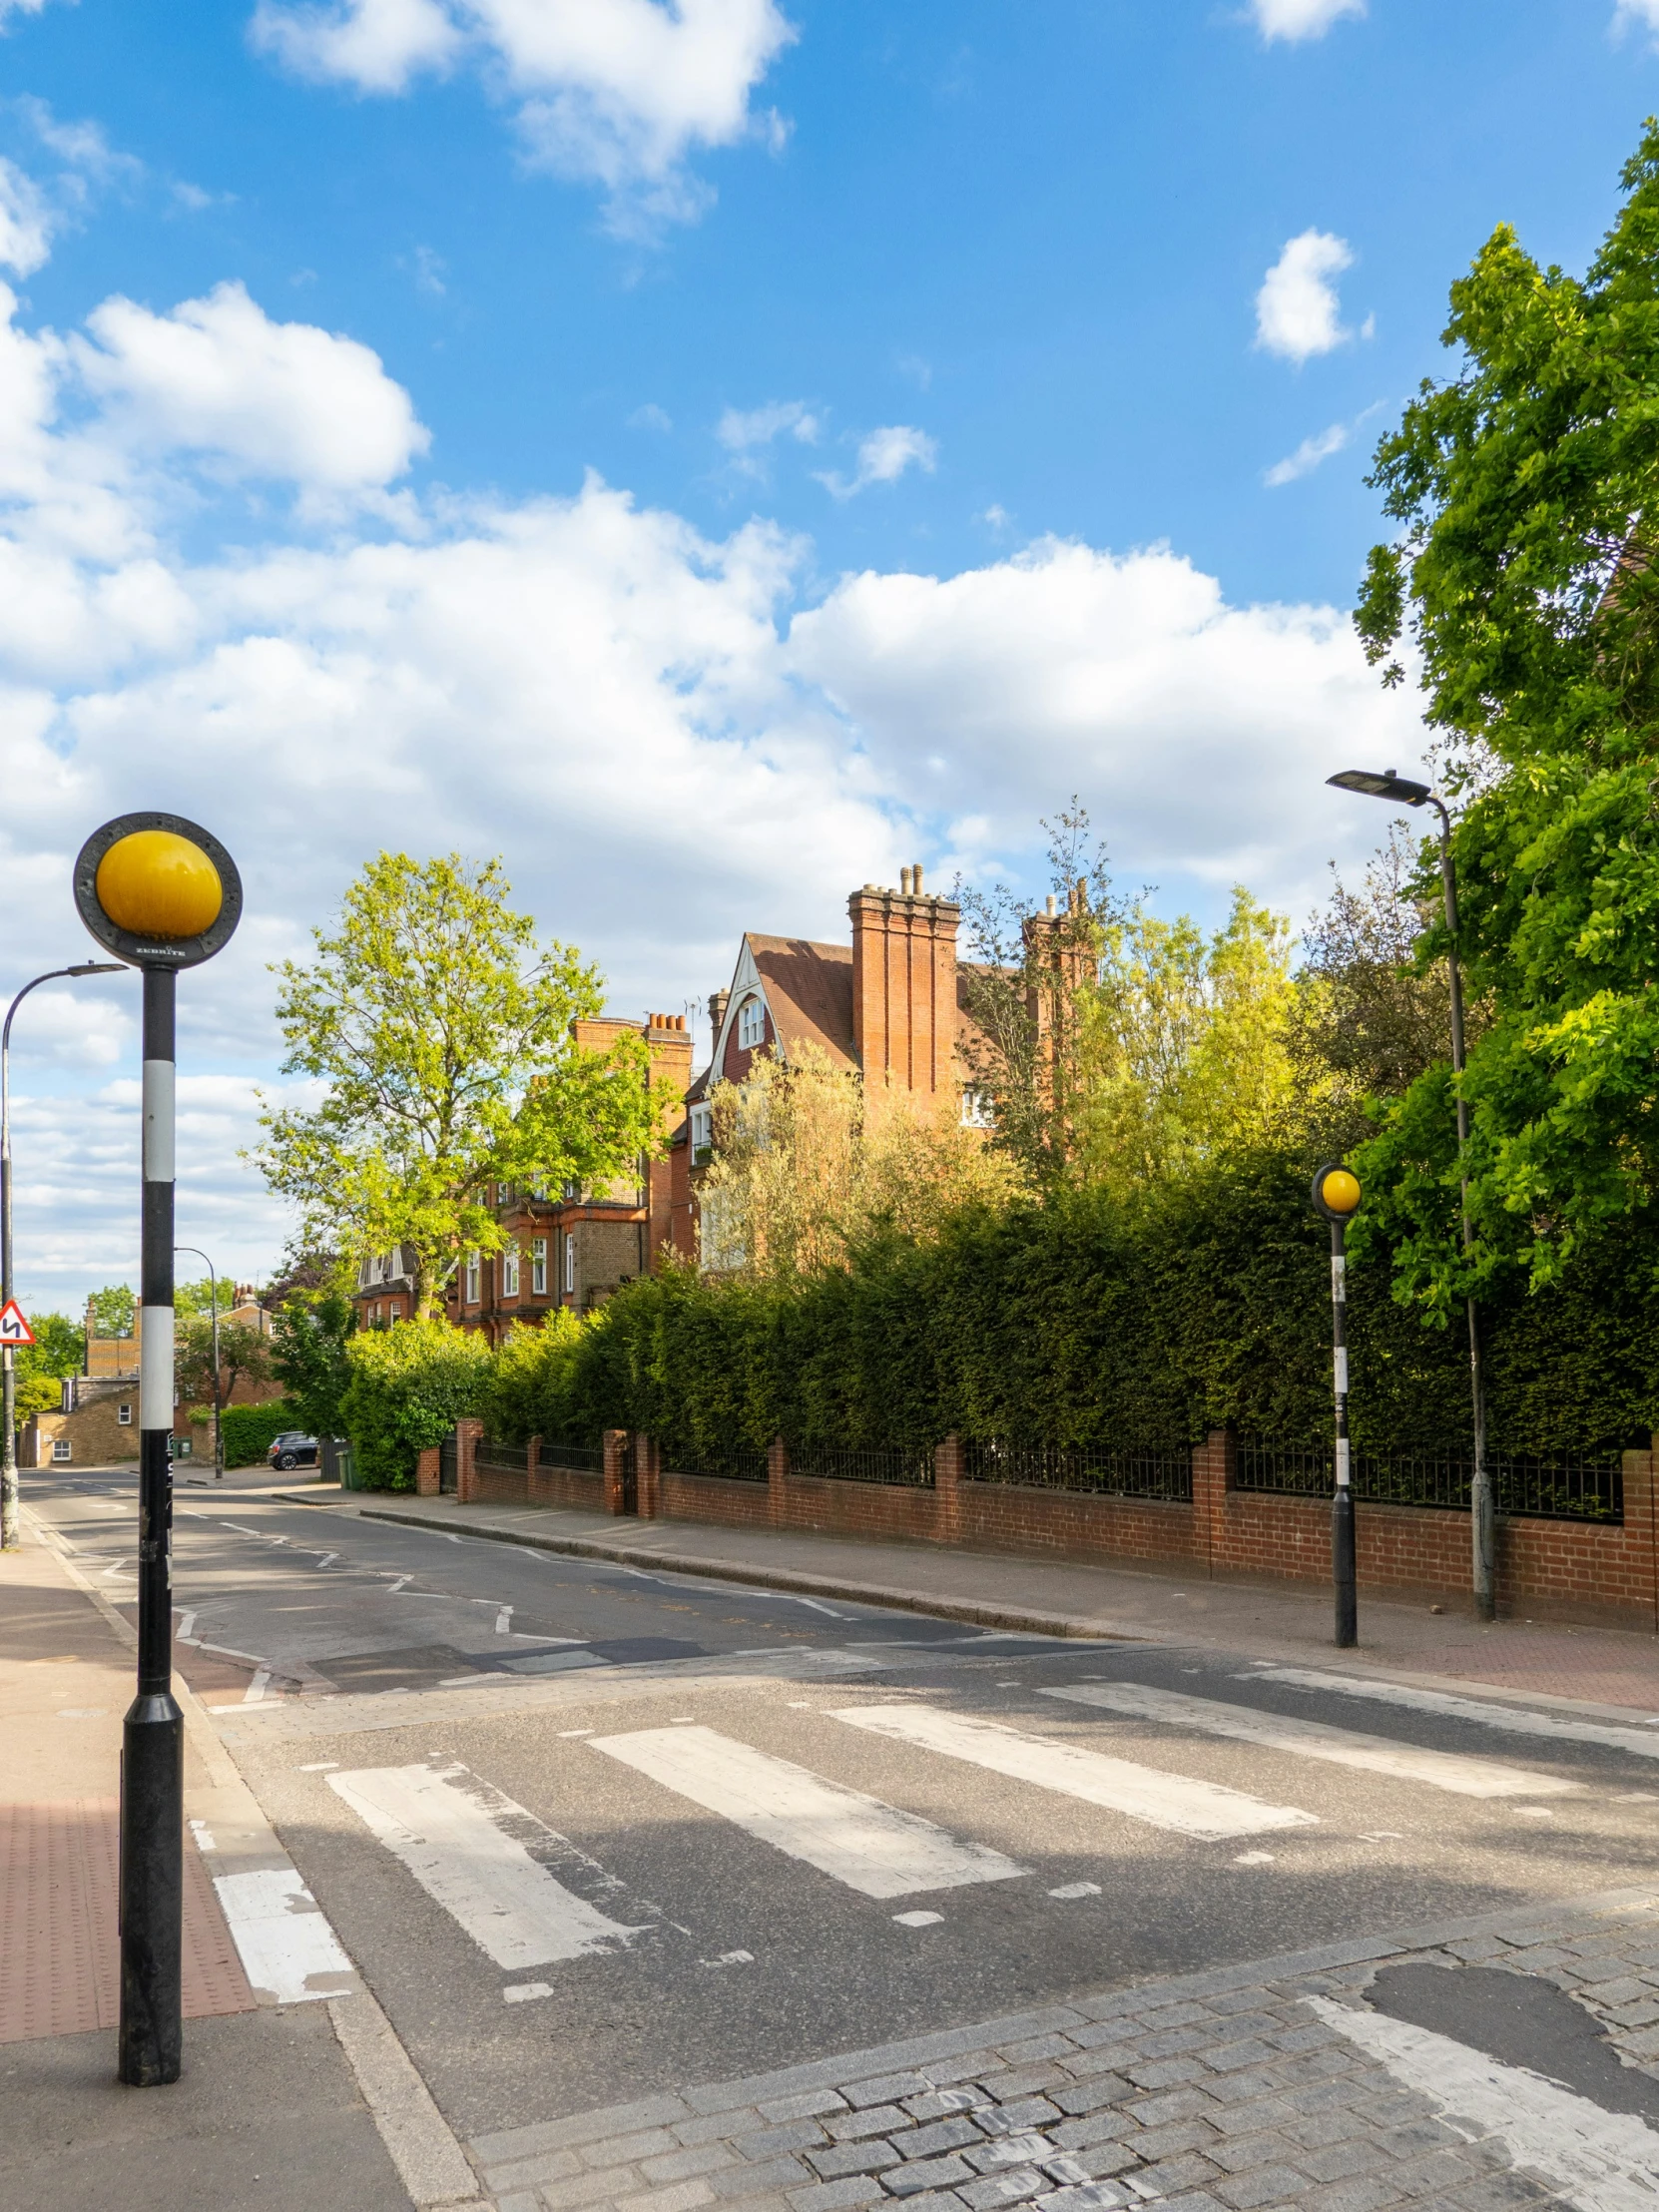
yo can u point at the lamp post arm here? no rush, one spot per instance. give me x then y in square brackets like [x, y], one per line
[50, 977]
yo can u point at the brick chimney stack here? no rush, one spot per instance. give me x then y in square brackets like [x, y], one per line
[904, 989]
[717, 1014]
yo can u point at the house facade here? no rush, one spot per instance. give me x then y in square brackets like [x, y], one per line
[889, 1004]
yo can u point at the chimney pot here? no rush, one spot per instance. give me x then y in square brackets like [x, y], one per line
[1051, 903]
[904, 882]
[916, 878]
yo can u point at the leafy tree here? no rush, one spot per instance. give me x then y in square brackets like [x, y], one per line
[308, 1355]
[442, 1032]
[191, 1299]
[1522, 578]
[113, 1309]
[59, 1349]
[409, 1386]
[243, 1354]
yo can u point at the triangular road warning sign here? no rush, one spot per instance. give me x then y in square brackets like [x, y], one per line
[14, 1327]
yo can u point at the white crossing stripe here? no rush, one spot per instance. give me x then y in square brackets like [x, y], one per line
[286, 1947]
[448, 1831]
[1172, 1801]
[1600, 2161]
[1516, 1722]
[1343, 1747]
[871, 1847]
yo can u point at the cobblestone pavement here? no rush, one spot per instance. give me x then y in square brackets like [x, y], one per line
[1212, 2093]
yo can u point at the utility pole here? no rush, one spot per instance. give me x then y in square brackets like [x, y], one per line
[164, 895]
[1337, 1197]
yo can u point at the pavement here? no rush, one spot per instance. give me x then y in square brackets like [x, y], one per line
[642, 1867]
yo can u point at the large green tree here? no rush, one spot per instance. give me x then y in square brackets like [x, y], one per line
[440, 1030]
[59, 1349]
[1522, 586]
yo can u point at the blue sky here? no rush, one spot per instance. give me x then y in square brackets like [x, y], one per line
[710, 457]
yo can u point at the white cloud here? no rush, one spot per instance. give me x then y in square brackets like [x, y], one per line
[883, 456]
[615, 92]
[1297, 313]
[218, 377]
[9, 8]
[665, 740]
[1641, 14]
[1308, 455]
[1292, 20]
[25, 222]
[740, 433]
[651, 417]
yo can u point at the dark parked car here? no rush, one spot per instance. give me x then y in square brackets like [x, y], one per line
[292, 1450]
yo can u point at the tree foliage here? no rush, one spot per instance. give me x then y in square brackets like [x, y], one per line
[442, 1030]
[1522, 579]
[59, 1349]
[309, 1341]
[408, 1386]
[113, 1309]
[243, 1356]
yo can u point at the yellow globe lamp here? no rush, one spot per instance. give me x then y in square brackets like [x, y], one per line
[154, 883]
[1339, 1191]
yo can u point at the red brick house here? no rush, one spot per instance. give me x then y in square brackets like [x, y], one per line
[889, 1004]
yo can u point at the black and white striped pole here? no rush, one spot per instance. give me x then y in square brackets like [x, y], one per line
[165, 895]
[1337, 1197]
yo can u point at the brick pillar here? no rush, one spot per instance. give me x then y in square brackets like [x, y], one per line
[778, 1477]
[1215, 1461]
[467, 1434]
[532, 1468]
[426, 1473]
[648, 1476]
[1641, 1514]
[947, 1496]
[615, 1443]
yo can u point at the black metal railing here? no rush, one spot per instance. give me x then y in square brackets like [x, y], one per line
[1099, 1470]
[489, 1453]
[1580, 1487]
[900, 1466]
[725, 1462]
[449, 1462]
[586, 1459]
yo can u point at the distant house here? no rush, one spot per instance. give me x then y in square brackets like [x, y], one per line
[890, 1006]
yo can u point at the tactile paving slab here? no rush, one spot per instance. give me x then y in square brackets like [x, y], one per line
[60, 1961]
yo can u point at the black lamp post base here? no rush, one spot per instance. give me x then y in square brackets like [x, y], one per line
[152, 1892]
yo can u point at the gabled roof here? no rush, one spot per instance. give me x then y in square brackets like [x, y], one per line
[808, 992]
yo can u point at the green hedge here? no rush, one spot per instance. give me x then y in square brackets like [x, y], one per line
[409, 1386]
[249, 1431]
[1074, 1321]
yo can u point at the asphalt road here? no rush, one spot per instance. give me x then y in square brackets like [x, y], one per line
[589, 1831]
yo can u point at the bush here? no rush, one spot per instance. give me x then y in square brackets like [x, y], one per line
[250, 1429]
[1084, 1320]
[408, 1388]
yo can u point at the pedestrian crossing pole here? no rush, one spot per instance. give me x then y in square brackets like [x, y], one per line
[1337, 1197]
[164, 895]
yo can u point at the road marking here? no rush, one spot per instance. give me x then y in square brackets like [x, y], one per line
[326, 1559]
[871, 1847]
[1512, 1719]
[1077, 1889]
[237, 1525]
[1174, 1801]
[816, 1605]
[503, 1620]
[1441, 1770]
[918, 1919]
[1254, 1859]
[203, 1835]
[456, 1837]
[1602, 2161]
[254, 1692]
[320, 1766]
[227, 1651]
[284, 1942]
[729, 1958]
[187, 1621]
[526, 1992]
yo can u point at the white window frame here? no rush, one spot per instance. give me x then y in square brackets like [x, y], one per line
[472, 1291]
[977, 1109]
[63, 1452]
[538, 1266]
[123, 1416]
[701, 1127]
[510, 1269]
[394, 1313]
[751, 1023]
[570, 1263]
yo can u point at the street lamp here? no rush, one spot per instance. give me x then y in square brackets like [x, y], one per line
[1482, 1532]
[164, 895]
[196, 1252]
[9, 1538]
[1337, 1197]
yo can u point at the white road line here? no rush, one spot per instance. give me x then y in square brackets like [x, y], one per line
[326, 1558]
[1172, 1801]
[255, 1693]
[448, 1830]
[187, 1621]
[237, 1525]
[228, 1651]
[1602, 2161]
[1441, 1770]
[503, 1620]
[1509, 1718]
[871, 1847]
[286, 1944]
[401, 1581]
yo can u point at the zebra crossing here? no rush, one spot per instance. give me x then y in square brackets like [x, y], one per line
[527, 1896]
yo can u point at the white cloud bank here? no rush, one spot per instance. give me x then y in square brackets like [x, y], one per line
[1298, 312]
[1294, 20]
[883, 458]
[665, 736]
[616, 92]
[1636, 14]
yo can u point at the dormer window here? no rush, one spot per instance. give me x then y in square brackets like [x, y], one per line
[752, 1024]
